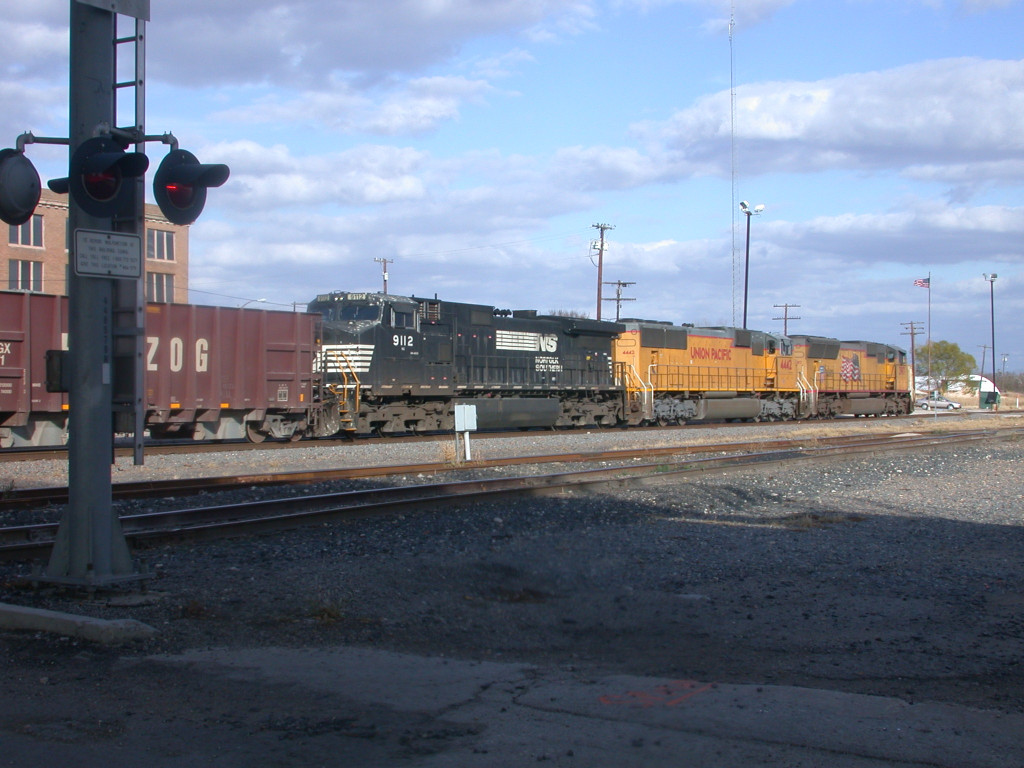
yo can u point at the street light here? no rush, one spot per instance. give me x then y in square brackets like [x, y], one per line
[746, 267]
[993, 398]
[250, 301]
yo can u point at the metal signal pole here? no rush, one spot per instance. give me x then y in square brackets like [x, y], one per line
[90, 549]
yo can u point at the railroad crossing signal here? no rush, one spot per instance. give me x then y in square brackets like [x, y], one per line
[19, 187]
[99, 176]
[100, 180]
[181, 182]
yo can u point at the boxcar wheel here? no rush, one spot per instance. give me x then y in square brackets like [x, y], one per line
[253, 434]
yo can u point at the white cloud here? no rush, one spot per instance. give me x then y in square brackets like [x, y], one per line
[302, 43]
[272, 178]
[416, 106]
[920, 115]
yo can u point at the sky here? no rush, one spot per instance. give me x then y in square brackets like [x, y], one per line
[471, 146]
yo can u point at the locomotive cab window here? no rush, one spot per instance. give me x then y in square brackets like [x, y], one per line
[351, 312]
[403, 318]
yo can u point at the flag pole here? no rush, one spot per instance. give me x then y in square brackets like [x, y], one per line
[930, 382]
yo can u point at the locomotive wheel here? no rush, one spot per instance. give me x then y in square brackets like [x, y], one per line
[253, 434]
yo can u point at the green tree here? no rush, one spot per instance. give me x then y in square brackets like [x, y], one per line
[948, 362]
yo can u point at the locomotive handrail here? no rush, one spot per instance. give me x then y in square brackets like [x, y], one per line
[629, 378]
[808, 394]
[348, 390]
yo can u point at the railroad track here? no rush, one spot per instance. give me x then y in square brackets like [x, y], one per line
[174, 447]
[27, 541]
[40, 497]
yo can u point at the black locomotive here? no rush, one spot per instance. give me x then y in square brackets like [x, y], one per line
[401, 363]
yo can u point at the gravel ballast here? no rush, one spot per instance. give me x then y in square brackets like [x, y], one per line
[892, 574]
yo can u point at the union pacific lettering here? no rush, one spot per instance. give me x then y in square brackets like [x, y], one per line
[710, 353]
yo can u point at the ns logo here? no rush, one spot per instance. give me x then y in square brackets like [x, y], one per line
[547, 342]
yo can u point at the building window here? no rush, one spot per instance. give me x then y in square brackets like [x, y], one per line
[25, 275]
[30, 233]
[159, 245]
[159, 287]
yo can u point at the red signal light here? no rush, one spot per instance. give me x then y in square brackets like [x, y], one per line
[98, 175]
[180, 185]
[180, 195]
[102, 185]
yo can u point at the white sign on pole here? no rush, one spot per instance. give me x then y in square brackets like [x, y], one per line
[108, 254]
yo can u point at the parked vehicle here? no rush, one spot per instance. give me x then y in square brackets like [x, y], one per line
[938, 403]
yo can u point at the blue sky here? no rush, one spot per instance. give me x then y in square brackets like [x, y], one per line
[476, 142]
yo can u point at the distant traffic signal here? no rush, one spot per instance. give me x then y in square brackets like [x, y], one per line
[181, 182]
[100, 174]
[19, 187]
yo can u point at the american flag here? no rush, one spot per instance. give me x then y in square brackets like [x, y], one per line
[923, 282]
[849, 368]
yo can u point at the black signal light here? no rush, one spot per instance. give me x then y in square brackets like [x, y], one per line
[181, 182]
[19, 187]
[100, 173]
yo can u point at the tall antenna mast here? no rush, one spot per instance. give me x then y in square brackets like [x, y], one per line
[732, 153]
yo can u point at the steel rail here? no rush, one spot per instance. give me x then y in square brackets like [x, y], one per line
[36, 497]
[292, 512]
[172, 447]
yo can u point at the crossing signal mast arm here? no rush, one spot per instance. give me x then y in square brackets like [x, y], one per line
[98, 169]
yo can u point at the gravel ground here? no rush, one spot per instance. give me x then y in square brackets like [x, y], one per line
[893, 574]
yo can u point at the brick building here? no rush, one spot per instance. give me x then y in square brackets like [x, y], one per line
[36, 253]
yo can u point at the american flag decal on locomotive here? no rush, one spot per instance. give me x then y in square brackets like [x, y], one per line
[849, 368]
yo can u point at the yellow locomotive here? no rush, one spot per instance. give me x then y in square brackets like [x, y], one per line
[676, 373]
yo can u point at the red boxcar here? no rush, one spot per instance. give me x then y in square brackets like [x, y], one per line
[211, 372]
[30, 324]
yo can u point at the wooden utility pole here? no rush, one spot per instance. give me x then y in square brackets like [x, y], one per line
[384, 270]
[600, 262]
[619, 285]
[785, 316]
[914, 328]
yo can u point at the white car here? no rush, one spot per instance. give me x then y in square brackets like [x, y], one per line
[937, 403]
